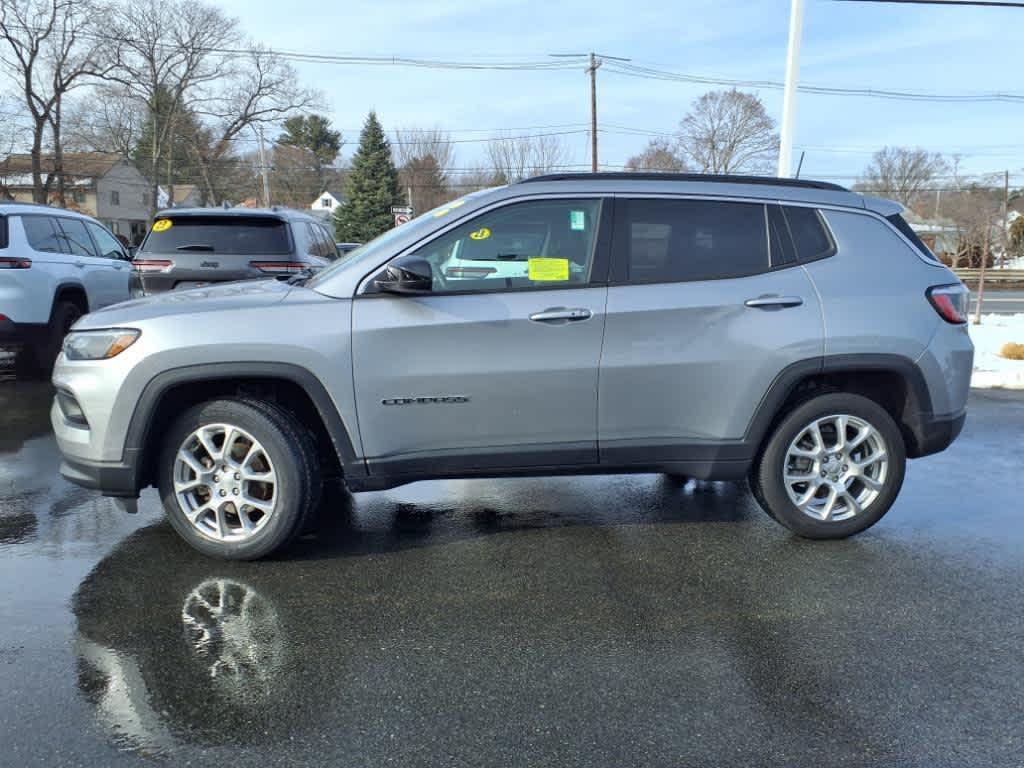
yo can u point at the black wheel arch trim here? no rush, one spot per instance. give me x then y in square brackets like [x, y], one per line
[67, 285]
[783, 386]
[154, 391]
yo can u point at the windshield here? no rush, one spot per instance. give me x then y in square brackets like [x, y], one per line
[422, 224]
[226, 235]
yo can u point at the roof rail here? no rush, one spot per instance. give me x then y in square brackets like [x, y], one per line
[709, 177]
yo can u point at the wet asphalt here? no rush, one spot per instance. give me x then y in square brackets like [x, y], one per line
[614, 621]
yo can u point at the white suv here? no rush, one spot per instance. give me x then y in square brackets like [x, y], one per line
[55, 266]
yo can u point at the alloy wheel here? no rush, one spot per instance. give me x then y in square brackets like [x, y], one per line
[225, 482]
[836, 467]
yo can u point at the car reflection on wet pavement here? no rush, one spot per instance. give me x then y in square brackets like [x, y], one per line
[623, 620]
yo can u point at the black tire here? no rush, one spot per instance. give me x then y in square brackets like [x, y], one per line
[769, 488]
[291, 449]
[38, 358]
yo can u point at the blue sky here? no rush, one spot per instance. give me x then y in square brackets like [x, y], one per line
[873, 45]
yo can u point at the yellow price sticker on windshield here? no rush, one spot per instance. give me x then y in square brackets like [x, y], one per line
[162, 226]
[448, 208]
[548, 270]
[481, 234]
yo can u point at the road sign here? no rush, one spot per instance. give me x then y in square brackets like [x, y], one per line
[402, 218]
[406, 209]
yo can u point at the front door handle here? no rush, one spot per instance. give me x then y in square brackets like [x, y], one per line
[80, 264]
[774, 302]
[560, 315]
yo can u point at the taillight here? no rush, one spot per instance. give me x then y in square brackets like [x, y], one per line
[152, 265]
[950, 301]
[7, 262]
[279, 267]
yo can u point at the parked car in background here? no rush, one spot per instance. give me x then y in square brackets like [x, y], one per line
[193, 247]
[55, 266]
[344, 249]
[723, 328]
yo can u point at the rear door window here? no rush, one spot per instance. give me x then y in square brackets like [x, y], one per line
[226, 235]
[42, 234]
[810, 235]
[665, 240]
[77, 237]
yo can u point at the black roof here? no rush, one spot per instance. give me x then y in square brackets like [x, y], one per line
[706, 177]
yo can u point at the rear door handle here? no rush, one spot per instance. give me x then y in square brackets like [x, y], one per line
[774, 302]
[80, 264]
[560, 314]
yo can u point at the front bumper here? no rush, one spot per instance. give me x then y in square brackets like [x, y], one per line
[18, 334]
[111, 479]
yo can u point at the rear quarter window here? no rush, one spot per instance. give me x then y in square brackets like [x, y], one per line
[227, 235]
[908, 232]
[811, 237]
[3, 232]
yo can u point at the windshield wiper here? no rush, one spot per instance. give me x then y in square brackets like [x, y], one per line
[195, 247]
[300, 278]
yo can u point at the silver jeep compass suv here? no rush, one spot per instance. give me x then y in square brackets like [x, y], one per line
[790, 332]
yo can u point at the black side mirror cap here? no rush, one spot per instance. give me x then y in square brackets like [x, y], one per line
[409, 274]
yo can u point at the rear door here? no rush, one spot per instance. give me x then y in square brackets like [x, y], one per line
[489, 369]
[105, 280]
[700, 321]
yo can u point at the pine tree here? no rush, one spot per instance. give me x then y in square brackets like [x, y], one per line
[371, 190]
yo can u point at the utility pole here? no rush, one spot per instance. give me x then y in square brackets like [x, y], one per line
[1006, 216]
[265, 171]
[594, 64]
[596, 60]
[796, 23]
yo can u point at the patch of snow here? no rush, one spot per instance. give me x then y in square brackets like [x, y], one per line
[991, 371]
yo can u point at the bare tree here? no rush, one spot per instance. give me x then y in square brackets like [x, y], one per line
[169, 47]
[729, 132]
[110, 120]
[259, 89]
[514, 158]
[659, 155]
[900, 173]
[474, 179]
[51, 48]
[415, 143]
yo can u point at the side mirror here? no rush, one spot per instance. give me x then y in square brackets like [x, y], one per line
[409, 274]
[132, 250]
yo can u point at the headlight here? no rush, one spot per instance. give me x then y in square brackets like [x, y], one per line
[99, 345]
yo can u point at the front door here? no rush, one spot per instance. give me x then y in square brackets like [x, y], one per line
[497, 366]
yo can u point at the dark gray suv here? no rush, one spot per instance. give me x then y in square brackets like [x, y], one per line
[192, 247]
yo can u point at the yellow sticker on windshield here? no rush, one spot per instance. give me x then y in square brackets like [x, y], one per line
[548, 270]
[481, 234]
[448, 208]
[162, 226]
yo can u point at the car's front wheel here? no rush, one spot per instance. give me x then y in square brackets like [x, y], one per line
[238, 478]
[832, 467]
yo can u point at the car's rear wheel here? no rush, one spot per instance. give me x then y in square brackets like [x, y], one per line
[238, 478]
[832, 467]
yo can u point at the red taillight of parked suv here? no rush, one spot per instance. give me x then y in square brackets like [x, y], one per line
[950, 301]
[279, 267]
[152, 265]
[15, 263]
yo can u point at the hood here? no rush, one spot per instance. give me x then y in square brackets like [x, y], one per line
[215, 298]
